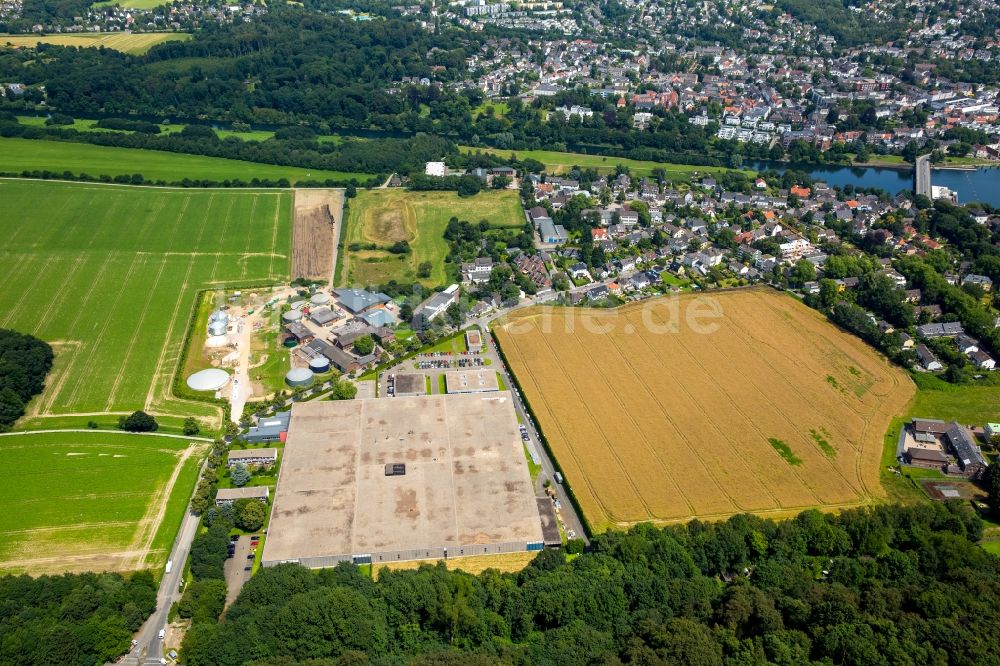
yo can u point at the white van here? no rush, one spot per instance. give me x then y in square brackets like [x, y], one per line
[163, 632]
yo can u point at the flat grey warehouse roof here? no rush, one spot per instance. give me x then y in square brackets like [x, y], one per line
[466, 488]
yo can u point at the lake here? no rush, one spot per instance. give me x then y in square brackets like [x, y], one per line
[982, 184]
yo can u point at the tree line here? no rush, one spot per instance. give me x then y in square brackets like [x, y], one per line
[24, 362]
[72, 619]
[884, 585]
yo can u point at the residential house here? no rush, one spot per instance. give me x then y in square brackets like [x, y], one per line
[928, 361]
[253, 456]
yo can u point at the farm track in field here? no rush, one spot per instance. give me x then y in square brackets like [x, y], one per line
[666, 426]
[108, 273]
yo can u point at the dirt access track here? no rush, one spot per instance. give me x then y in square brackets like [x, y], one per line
[316, 231]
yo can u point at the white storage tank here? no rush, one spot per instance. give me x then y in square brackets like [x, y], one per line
[319, 364]
[299, 377]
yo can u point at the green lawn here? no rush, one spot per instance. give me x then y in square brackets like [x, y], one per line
[501, 383]
[454, 343]
[556, 162]
[442, 384]
[108, 275]
[17, 155]
[383, 217]
[500, 109]
[92, 493]
[991, 547]
[935, 399]
[533, 469]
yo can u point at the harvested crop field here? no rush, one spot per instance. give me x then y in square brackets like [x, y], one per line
[705, 405]
[119, 41]
[315, 233]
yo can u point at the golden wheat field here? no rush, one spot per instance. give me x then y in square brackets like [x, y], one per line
[705, 405]
[139, 42]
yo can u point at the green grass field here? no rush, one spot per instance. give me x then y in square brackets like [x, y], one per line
[556, 163]
[419, 218]
[108, 275]
[935, 399]
[81, 125]
[88, 501]
[137, 43]
[17, 155]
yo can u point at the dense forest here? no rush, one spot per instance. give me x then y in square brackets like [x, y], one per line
[888, 585]
[71, 620]
[288, 66]
[24, 362]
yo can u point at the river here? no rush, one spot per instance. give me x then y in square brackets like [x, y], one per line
[981, 184]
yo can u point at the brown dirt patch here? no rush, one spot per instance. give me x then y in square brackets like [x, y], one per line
[315, 233]
[946, 490]
[388, 226]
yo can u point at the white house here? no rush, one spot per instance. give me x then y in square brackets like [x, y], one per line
[436, 169]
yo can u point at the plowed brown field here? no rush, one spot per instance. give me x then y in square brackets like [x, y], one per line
[655, 416]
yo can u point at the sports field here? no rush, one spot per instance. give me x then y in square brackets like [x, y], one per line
[556, 163]
[756, 404]
[108, 276]
[383, 217]
[119, 41]
[93, 500]
[17, 155]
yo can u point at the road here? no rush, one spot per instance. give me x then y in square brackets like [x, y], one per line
[149, 647]
[922, 176]
[568, 511]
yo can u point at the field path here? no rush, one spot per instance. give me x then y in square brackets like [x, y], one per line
[165, 351]
[142, 542]
[15, 433]
[140, 330]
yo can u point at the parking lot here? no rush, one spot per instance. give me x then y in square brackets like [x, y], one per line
[239, 565]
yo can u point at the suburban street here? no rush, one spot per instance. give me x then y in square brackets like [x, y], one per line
[568, 511]
[149, 649]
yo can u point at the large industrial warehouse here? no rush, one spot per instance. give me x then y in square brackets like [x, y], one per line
[412, 478]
